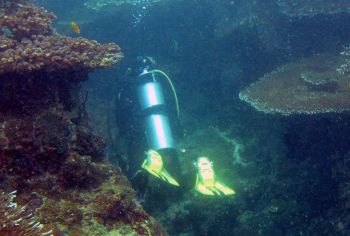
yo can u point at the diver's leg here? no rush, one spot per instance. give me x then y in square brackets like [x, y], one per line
[173, 165]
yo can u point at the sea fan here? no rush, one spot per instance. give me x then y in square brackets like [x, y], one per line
[18, 220]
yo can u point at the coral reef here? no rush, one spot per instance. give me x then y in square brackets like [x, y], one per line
[307, 86]
[34, 46]
[49, 152]
[27, 20]
[9, 5]
[55, 53]
[17, 220]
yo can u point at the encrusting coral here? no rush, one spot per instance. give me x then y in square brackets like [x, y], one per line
[48, 150]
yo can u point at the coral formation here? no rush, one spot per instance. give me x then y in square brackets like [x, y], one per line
[55, 53]
[18, 220]
[308, 86]
[28, 20]
[9, 5]
[48, 150]
[34, 46]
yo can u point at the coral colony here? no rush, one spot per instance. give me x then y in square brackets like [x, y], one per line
[308, 86]
[34, 46]
[48, 152]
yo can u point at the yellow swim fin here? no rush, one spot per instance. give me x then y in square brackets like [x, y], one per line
[154, 165]
[206, 182]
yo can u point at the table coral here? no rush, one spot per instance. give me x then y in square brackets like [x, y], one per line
[308, 86]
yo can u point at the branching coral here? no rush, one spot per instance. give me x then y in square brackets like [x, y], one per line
[17, 220]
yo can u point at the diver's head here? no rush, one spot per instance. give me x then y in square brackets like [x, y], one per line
[145, 63]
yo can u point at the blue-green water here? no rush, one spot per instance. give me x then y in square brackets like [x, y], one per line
[290, 173]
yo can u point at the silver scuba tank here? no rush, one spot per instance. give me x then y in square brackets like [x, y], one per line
[151, 100]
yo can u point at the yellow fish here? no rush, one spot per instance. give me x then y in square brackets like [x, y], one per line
[75, 27]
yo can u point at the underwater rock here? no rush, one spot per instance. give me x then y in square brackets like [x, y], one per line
[307, 86]
[49, 152]
[80, 172]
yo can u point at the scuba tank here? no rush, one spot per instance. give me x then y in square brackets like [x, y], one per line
[161, 149]
[153, 108]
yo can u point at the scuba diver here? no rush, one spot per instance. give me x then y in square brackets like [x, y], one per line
[161, 158]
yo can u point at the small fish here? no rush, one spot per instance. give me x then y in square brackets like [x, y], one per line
[75, 27]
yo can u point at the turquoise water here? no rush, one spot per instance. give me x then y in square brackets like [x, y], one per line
[285, 157]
